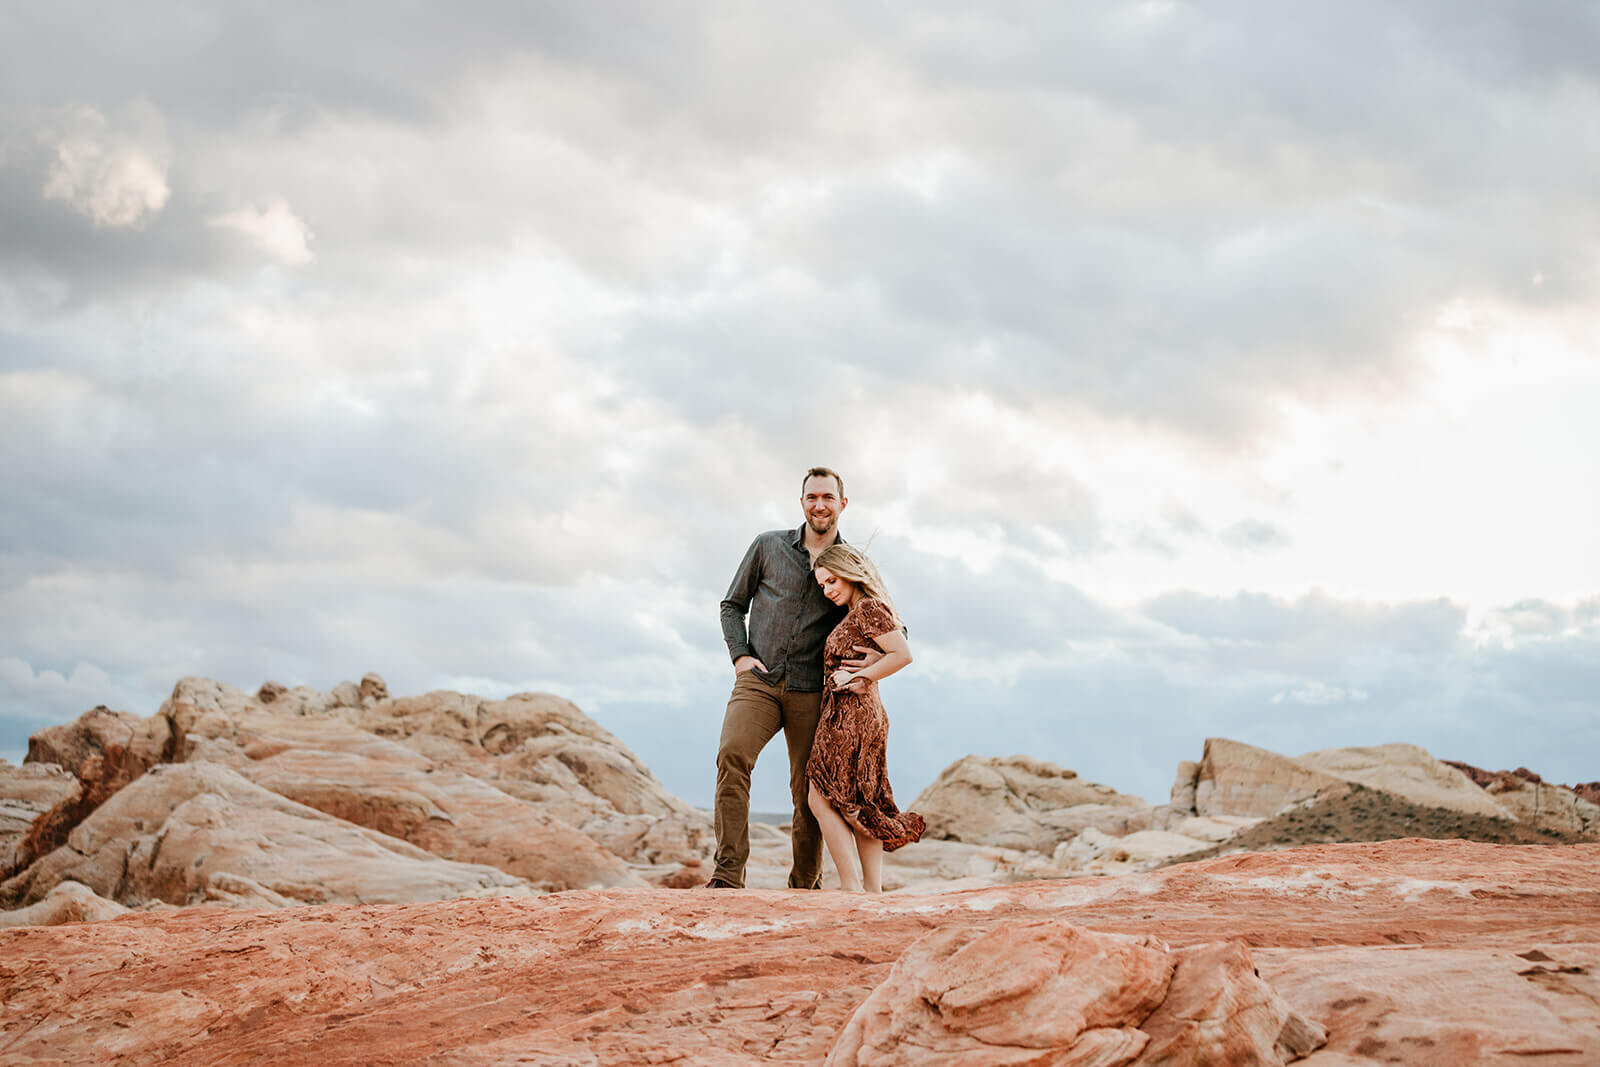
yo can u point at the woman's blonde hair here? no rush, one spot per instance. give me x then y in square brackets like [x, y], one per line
[853, 565]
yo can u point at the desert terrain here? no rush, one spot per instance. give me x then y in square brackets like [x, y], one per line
[352, 877]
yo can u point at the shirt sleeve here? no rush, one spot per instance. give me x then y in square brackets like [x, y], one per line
[736, 605]
[877, 619]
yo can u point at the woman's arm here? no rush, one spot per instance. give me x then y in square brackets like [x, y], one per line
[896, 654]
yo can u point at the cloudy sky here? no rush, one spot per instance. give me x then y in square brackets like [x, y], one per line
[1196, 369]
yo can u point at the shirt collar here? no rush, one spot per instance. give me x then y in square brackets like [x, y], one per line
[798, 538]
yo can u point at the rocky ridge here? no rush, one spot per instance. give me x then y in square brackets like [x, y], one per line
[354, 795]
[1237, 797]
[355, 877]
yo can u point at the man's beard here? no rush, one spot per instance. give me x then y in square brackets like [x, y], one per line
[830, 521]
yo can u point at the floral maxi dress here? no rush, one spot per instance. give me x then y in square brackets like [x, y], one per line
[849, 758]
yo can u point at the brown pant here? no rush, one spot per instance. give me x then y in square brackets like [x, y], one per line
[756, 711]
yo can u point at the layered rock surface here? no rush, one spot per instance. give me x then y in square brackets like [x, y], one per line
[1008, 994]
[1406, 771]
[1023, 803]
[535, 746]
[534, 789]
[1240, 796]
[68, 902]
[103, 750]
[27, 794]
[1233, 778]
[1533, 800]
[1404, 951]
[290, 795]
[391, 789]
[1238, 779]
[199, 833]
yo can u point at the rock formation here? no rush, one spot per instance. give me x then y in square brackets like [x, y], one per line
[104, 750]
[533, 745]
[1010, 994]
[1529, 798]
[1029, 991]
[1350, 794]
[195, 833]
[529, 786]
[1406, 771]
[532, 789]
[1233, 778]
[28, 794]
[1023, 803]
[1442, 799]
[389, 788]
[1219, 1010]
[68, 902]
[1093, 852]
[1405, 951]
[416, 837]
[1482, 777]
[1545, 806]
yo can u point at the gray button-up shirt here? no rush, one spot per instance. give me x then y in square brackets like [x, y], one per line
[789, 618]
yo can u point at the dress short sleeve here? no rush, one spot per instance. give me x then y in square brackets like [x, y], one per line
[876, 618]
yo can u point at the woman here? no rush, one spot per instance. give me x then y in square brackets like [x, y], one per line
[849, 791]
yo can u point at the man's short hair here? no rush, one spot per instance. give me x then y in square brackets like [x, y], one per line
[822, 472]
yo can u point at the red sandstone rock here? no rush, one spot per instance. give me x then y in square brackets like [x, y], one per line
[1482, 777]
[691, 874]
[1545, 806]
[1010, 995]
[1430, 952]
[1046, 991]
[1530, 799]
[1219, 1012]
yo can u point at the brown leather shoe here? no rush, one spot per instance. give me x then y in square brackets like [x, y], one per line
[721, 883]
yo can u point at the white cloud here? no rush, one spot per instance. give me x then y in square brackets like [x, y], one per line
[32, 697]
[1320, 694]
[114, 176]
[274, 228]
[1130, 333]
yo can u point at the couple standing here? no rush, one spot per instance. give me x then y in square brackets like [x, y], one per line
[811, 632]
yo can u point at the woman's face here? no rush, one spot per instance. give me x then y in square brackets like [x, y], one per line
[839, 590]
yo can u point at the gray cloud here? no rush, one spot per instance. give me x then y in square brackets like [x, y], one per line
[587, 288]
[1314, 630]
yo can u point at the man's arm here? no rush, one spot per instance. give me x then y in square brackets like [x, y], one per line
[736, 606]
[866, 655]
[896, 654]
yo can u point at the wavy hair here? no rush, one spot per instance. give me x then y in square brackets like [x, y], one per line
[853, 565]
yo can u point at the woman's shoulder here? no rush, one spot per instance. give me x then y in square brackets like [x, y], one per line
[871, 608]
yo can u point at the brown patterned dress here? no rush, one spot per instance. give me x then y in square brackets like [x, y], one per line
[849, 758]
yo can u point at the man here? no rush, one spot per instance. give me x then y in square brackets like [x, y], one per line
[777, 662]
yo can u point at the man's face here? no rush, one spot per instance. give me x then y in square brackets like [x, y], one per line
[821, 503]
